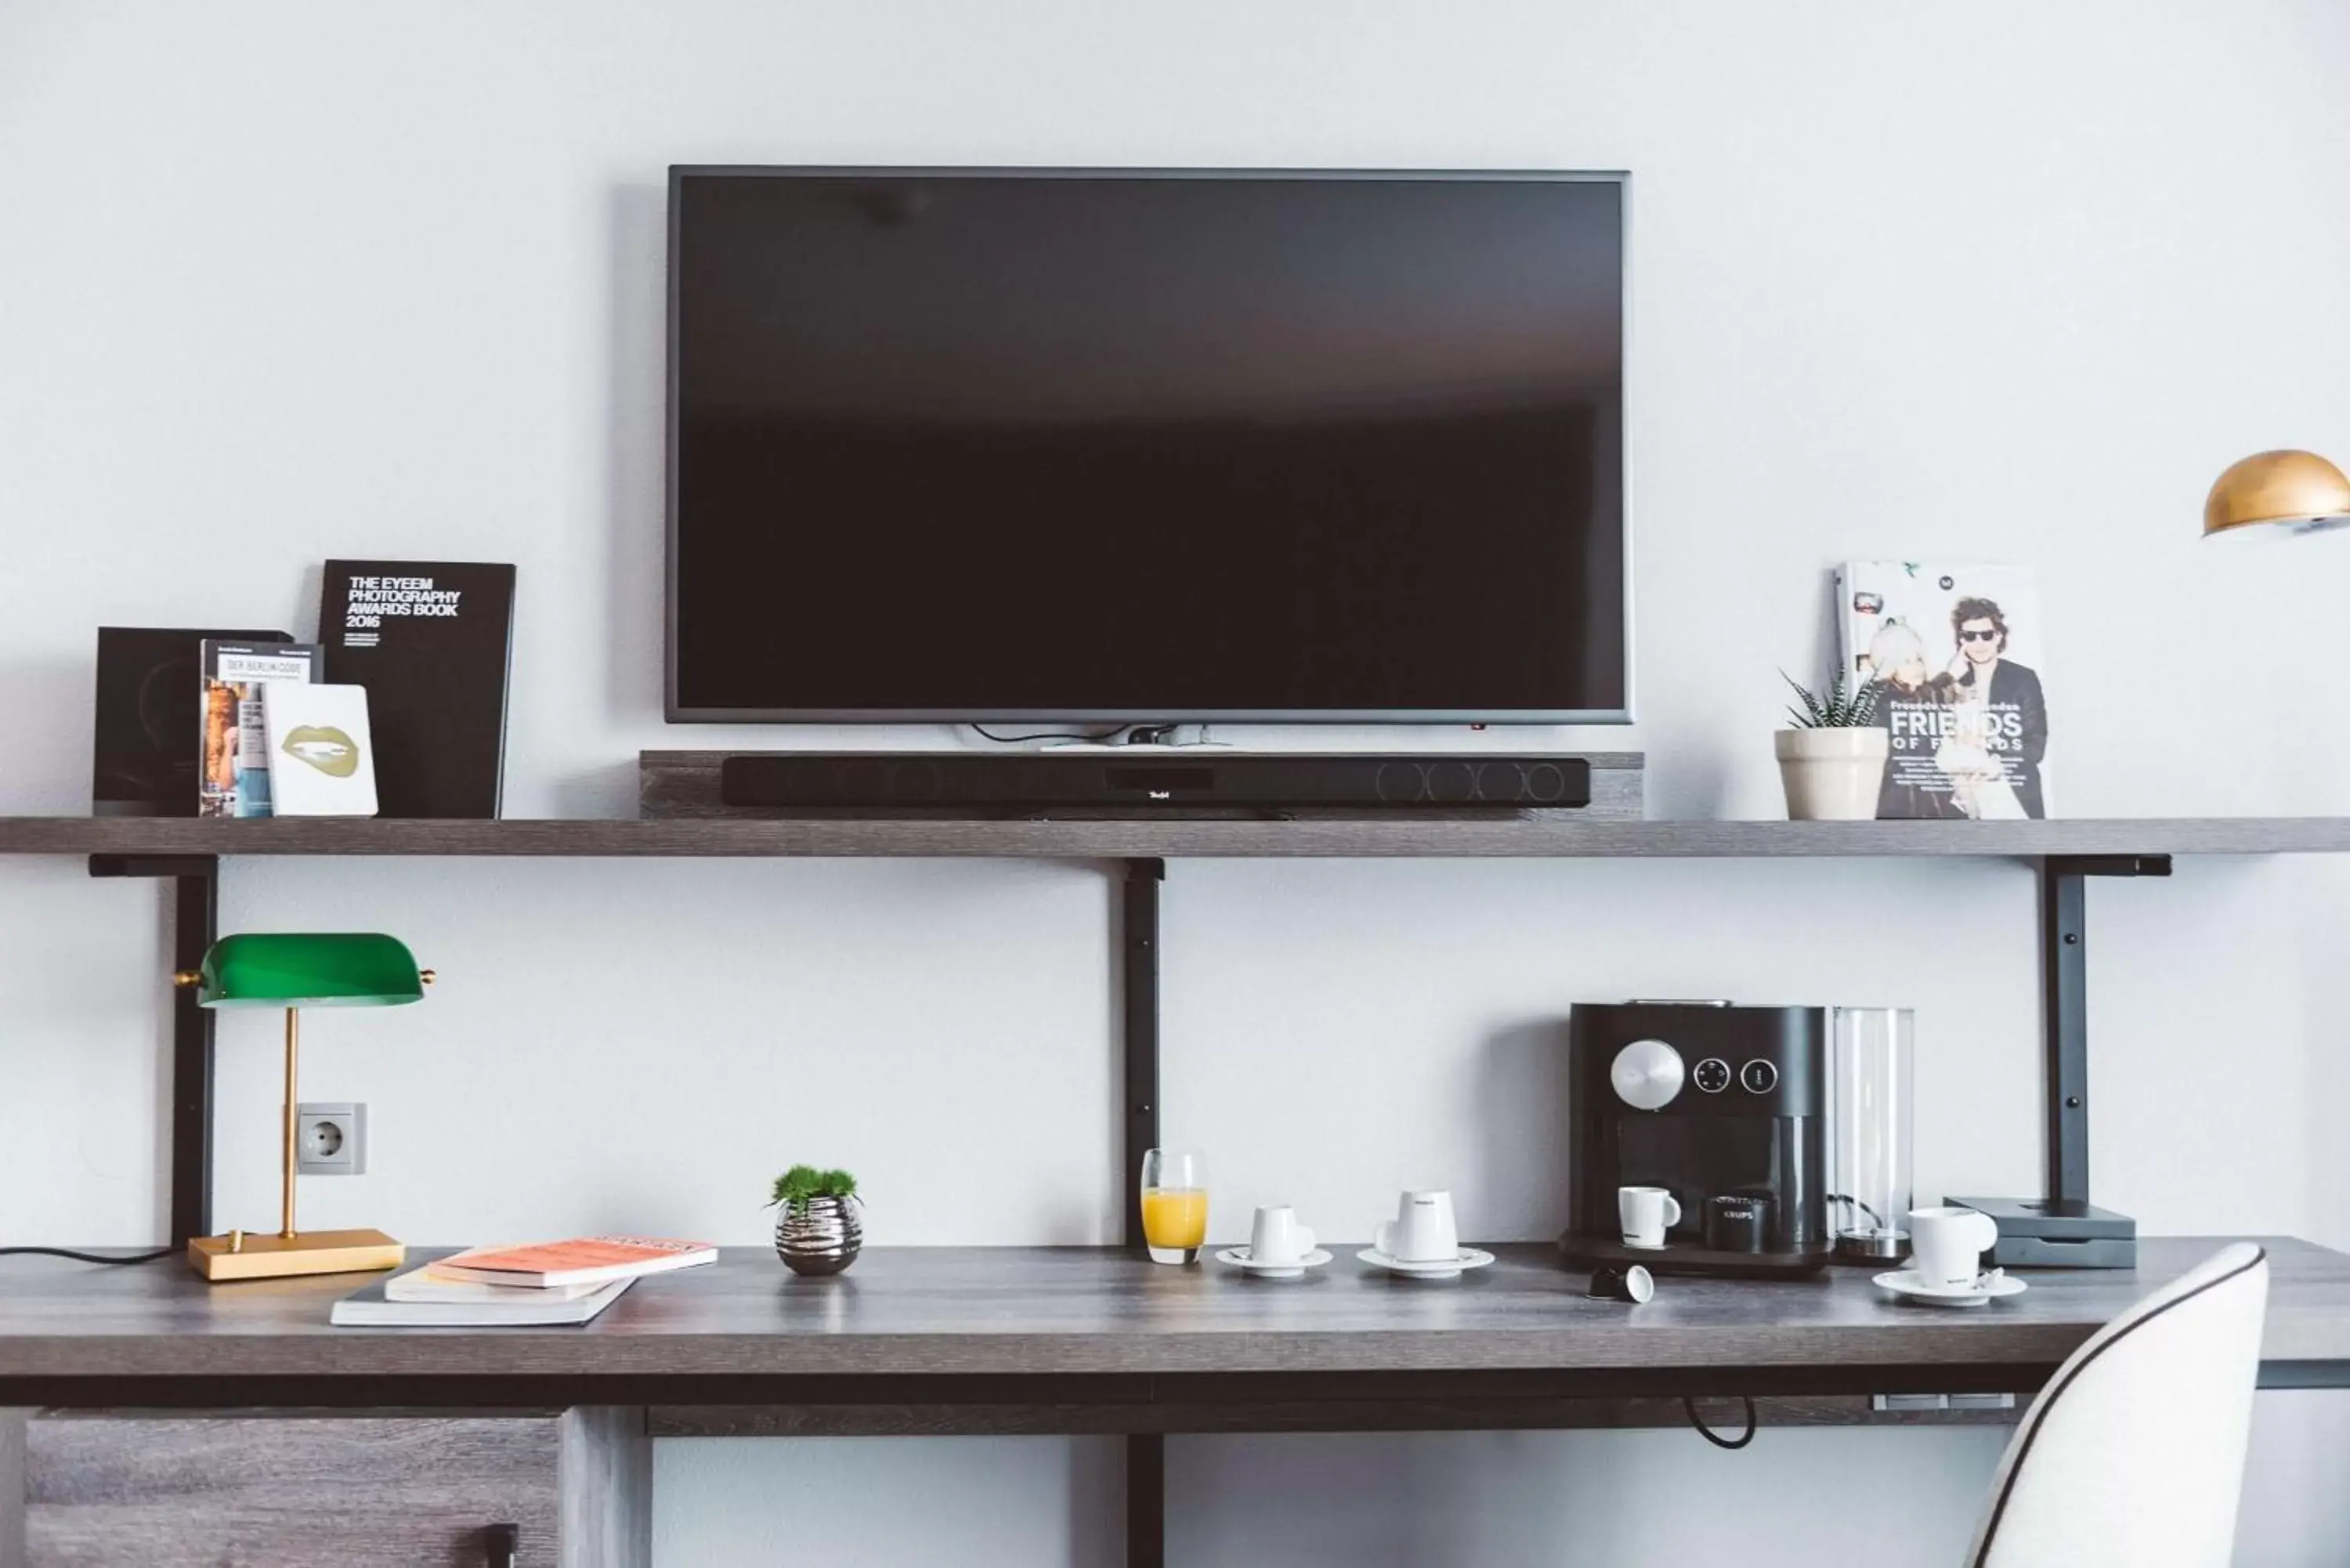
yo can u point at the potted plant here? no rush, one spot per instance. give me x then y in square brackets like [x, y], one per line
[1832, 761]
[819, 1220]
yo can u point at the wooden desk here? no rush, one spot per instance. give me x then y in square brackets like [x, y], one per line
[419, 1445]
[998, 1328]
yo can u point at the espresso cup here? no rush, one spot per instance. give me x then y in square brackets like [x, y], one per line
[1947, 1245]
[1648, 1213]
[1423, 1232]
[1276, 1237]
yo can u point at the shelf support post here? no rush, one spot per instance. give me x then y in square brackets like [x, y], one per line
[2065, 991]
[1138, 983]
[1146, 1452]
[196, 922]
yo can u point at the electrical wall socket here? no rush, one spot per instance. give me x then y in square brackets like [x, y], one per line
[330, 1140]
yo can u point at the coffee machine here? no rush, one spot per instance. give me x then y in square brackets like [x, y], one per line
[1726, 1109]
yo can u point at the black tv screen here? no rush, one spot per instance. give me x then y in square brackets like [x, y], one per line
[1125, 446]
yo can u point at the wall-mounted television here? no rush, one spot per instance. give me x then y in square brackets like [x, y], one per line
[1140, 445]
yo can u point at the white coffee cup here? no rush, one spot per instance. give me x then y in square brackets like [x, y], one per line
[1648, 1213]
[1423, 1232]
[1276, 1237]
[1947, 1245]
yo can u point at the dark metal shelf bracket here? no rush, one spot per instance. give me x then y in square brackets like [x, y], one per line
[196, 922]
[2064, 990]
[1139, 1006]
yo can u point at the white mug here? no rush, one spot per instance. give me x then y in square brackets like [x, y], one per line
[1423, 1230]
[1947, 1245]
[1648, 1213]
[1276, 1237]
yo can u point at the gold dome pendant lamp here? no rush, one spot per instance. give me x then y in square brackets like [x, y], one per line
[2299, 491]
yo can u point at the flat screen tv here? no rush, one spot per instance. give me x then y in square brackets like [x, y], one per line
[1125, 446]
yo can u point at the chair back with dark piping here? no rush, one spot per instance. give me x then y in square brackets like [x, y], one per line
[2134, 1452]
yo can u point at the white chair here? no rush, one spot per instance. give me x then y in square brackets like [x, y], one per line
[2132, 1455]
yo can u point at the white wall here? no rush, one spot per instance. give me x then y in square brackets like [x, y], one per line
[284, 282]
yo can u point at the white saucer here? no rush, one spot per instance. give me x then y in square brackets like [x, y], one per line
[1238, 1257]
[1993, 1286]
[1434, 1269]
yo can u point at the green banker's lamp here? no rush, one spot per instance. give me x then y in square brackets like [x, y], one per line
[293, 970]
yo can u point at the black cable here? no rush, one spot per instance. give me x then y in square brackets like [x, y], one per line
[1051, 735]
[87, 1257]
[1874, 1217]
[1689, 1407]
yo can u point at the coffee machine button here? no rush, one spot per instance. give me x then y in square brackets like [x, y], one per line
[1759, 1076]
[1712, 1074]
[1647, 1074]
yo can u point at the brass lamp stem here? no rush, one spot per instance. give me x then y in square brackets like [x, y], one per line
[293, 1048]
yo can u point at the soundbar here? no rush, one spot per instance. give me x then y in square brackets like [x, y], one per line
[1095, 781]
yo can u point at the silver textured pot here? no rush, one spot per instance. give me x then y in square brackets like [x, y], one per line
[821, 1236]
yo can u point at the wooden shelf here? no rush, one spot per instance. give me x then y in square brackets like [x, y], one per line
[1528, 834]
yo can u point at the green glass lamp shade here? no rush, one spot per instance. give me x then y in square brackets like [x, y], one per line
[309, 968]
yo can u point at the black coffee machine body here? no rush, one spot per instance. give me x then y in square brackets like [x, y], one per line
[1726, 1109]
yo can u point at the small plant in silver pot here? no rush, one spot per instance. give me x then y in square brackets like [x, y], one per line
[819, 1220]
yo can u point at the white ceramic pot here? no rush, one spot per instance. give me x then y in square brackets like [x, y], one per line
[1832, 775]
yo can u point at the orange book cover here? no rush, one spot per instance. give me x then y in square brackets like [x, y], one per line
[581, 1260]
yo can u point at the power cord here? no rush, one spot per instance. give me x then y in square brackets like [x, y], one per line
[86, 1257]
[1689, 1407]
[1051, 735]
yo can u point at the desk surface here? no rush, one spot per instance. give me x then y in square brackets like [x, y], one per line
[1082, 1311]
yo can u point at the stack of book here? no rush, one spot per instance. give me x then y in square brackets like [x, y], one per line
[550, 1283]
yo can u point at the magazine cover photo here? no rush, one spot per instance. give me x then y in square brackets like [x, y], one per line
[1956, 650]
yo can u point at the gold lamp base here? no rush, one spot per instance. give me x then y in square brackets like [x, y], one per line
[251, 1255]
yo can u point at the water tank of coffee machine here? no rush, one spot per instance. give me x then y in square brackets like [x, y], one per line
[1869, 1190]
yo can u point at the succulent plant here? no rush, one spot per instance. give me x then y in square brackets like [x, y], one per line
[1837, 708]
[802, 1182]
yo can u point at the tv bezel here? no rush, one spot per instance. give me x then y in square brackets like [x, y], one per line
[675, 712]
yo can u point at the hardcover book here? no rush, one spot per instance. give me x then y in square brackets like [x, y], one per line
[321, 758]
[379, 1305]
[587, 1259]
[431, 642]
[429, 1284]
[232, 779]
[1956, 652]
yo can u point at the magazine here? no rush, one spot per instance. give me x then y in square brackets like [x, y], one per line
[232, 775]
[1956, 652]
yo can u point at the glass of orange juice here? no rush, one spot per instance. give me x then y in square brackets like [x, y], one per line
[1174, 1205]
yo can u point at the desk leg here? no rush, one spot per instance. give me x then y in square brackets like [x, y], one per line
[1146, 1501]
